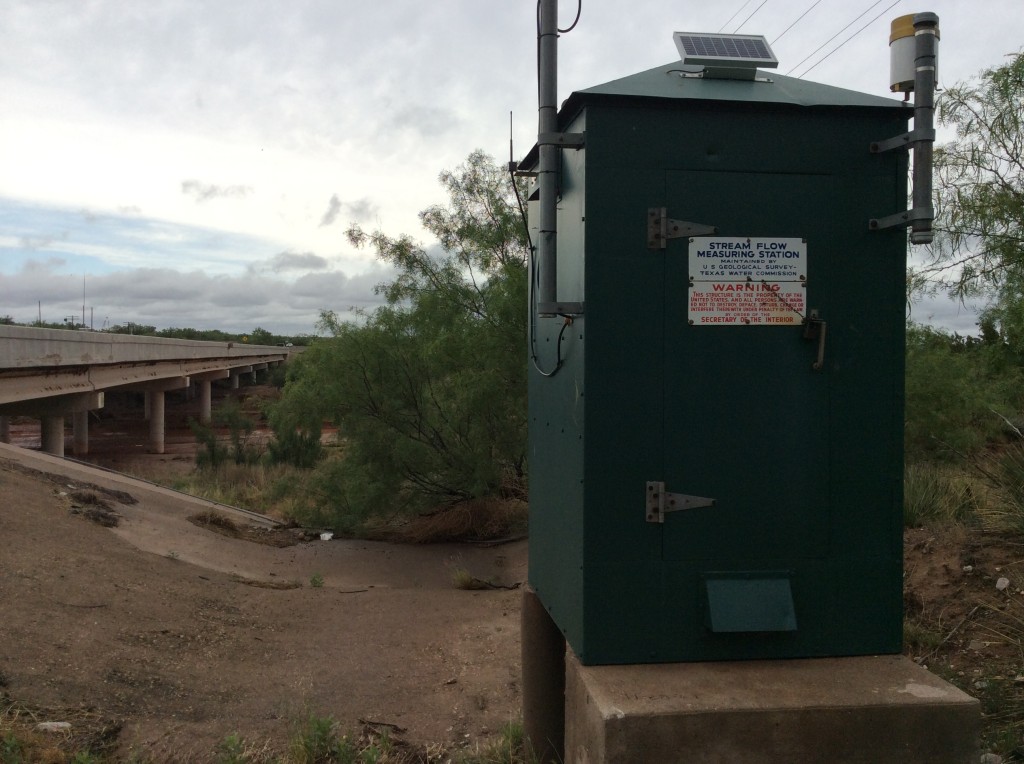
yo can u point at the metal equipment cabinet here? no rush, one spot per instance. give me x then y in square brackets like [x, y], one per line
[801, 552]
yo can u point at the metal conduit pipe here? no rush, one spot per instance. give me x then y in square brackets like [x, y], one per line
[926, 30]
[547, 168]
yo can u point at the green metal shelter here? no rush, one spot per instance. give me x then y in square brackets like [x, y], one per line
[716, 466]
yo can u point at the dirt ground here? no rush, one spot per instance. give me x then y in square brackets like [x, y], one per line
[159, 638]
[964, 621]
[165, 637]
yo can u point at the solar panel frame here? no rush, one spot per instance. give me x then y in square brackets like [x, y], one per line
[738, 50]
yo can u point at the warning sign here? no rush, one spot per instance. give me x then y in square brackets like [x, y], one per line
[747, 281]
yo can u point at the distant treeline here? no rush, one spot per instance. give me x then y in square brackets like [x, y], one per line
[258, 336]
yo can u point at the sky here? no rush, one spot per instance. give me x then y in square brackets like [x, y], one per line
[197, 162]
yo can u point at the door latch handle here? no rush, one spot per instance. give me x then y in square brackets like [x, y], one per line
[816, 328]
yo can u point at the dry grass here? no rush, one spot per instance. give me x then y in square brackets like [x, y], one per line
[478, 520]
[217, 522]
[90, 733]
[250, 486]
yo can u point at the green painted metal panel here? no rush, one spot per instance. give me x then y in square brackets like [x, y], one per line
[666, 82]
[741, 603]
[805, 465]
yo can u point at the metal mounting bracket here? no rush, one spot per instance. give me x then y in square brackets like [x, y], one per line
[904, 141]
[901, 218]
[660, 228]
[560, 309]
[660, 502]
[565, 140]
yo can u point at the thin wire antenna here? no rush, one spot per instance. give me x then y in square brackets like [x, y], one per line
[748, 18]
[830, 39]
[735, 15]
[876, 18]
[799, 18]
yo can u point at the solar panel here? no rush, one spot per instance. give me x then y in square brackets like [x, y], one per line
[729, 50]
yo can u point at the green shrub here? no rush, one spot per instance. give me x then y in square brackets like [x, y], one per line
[955, 395]
[317, 741]
[296, 447]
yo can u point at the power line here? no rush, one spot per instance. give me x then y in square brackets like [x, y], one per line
[830, 39]
[796, 22]
[735, 15]
[876, 18]
[748, 18]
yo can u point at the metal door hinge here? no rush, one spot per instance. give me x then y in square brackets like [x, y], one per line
[660, 502]
[660, 228]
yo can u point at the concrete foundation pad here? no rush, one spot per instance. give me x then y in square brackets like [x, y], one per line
[875, 710]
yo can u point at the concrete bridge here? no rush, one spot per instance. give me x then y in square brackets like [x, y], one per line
[52, 374]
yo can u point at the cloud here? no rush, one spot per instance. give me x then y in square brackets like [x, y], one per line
[947, 313]
[114, 241]
[289, 261]
[45, 266]
[427, 122]
[35, 243]
[360, 210]
[204, 192]
[333, 208]
[163, 297]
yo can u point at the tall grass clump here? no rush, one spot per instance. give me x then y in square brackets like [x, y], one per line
[1006, 472]
[251, 486]
[938, 493]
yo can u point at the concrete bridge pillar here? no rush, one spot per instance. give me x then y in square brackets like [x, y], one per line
[156, 409]
[156, 420]
[234, 380]
[53, 435]
[5, 429]
[205, 400]
[80, 432]
[204, 382]
[52, 412]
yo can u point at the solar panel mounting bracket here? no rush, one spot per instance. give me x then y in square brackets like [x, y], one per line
[726, 56]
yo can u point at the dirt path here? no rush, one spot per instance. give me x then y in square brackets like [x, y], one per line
[157, 626]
